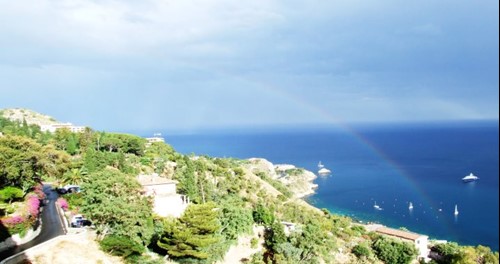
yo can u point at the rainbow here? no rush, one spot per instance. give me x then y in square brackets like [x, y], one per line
[370, 146]
[315, 110]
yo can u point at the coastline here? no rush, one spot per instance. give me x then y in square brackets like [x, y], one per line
[300, 181]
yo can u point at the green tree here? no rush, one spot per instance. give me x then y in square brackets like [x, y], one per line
[110, 142]
[235, 219]
[72, 144]
[9, 194]
[262, 215]
[275, 236]
[121, 246]
[362, 250]
[113, 201]
[447, 251]
[394, 252]
[75, 175]
[24, 162]
[188, 181]
[193, 235]
[311, 240]
[61, 138]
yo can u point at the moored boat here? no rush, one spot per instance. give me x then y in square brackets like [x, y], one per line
[470, 178]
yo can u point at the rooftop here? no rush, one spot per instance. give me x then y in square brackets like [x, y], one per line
[398, 233]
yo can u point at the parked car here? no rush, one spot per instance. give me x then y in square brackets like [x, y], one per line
[79, 221]
[68, 189]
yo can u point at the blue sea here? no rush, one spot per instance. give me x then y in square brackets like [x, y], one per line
[390, 165]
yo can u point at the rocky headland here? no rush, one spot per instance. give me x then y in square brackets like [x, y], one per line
[299, 181]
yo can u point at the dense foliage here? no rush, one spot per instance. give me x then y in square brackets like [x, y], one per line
[194, 236]
[455, 254]
[391, 251]
[114, 201]
[23, 162]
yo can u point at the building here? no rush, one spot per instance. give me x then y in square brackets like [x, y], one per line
[421, 242]
[52, 128]
[156, 138]
[164, 191]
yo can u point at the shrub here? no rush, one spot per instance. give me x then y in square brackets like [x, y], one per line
[121, 246]
[10, 194]
[63, 203]
[16, 225]
[254, 243]
[38, 190]
[33, 204]
[75, 200]
[362, 251]
[391, 251]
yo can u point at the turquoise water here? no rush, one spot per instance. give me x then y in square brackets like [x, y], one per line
[389, 165]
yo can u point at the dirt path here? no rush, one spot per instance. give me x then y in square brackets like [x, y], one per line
[244, 249]
[75, 249]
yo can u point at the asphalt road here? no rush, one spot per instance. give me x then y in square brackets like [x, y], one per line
[52, 225]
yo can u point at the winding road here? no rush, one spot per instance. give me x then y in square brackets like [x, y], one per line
[52, 225]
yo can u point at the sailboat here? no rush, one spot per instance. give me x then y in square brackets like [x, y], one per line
[456, 210]
[320, 165]
[411, 206]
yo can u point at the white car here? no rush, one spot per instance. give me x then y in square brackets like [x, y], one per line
[79, 221]
[69, 189]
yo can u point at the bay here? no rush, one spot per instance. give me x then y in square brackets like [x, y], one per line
[390, 165]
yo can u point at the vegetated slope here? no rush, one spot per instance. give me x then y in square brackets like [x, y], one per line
[31, 117]
[229, 198]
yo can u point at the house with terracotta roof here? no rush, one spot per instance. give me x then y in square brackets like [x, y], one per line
[164, 192]
[421, 242]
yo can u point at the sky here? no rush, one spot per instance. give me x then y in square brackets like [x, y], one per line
[206, 64]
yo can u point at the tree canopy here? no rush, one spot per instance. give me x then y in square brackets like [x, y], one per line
[24, 162]
[113, 201]
[194, 234]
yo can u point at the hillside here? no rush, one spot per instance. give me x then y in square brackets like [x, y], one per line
[238, 209]
[31, 117]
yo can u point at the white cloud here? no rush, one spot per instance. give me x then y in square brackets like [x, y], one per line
[125, 27]
[352, 60]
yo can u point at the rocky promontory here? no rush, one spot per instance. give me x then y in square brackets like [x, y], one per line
[299, 181]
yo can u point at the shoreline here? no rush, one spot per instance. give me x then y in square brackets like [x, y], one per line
[308, 189]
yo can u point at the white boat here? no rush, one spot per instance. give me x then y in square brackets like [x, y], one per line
[320, 165]
[456, 210]
[324, 171]
[377, 207]
[411, 206]
[470, 178]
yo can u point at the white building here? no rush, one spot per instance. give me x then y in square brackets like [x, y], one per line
[156, 138]
[52, 128]
[421, 242]
[164, 191]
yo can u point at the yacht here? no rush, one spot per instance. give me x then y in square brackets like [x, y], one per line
[411, 206]
[470, 178]
[456, 210]
[324, 171]
[377, 207]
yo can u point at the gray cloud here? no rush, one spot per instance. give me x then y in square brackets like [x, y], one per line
[190, 64]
